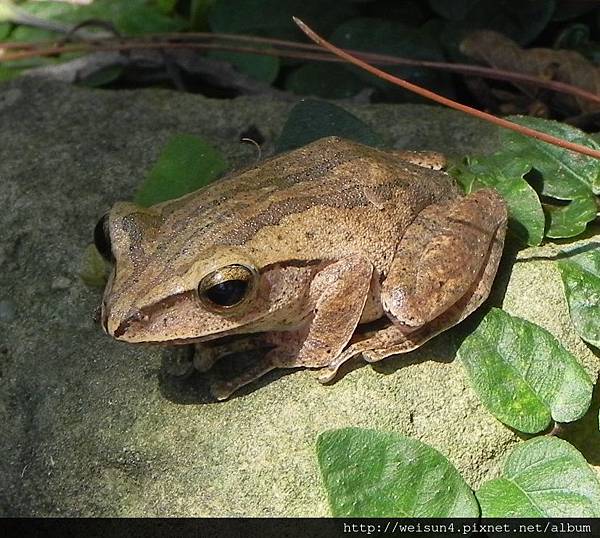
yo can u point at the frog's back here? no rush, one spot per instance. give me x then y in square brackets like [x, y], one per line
[329, 195]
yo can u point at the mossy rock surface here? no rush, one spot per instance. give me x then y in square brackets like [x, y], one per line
[92, 427]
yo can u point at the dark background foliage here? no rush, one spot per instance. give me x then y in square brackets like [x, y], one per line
[430, 30]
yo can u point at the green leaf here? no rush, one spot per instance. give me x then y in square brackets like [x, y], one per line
[185, 164]
[567, 175]
[378, 474]
[574, 36]
[542, 477]
[523, 375]
[571, 220]
[50, 11]
[5, 29]
[273, 18]
[310, 120]
[166, 6]
[12, 69]
[263, 68]
[526, 217]
[581, 279]
[132, 17]
[102, 76]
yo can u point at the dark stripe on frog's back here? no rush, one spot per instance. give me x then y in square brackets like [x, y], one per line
[234, 223]
[219, 203]
[272, 215]
[216, 208]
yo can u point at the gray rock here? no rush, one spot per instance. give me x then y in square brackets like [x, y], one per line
[92, 427]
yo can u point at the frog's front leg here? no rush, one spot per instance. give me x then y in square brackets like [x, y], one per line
[338, 293]
[442, 271]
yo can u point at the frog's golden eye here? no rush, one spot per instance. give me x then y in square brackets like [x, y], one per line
[102, 239]
[227, 287]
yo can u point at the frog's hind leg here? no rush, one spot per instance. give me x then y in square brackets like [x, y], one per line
[442, 256]
[455, 314]
[443, 271]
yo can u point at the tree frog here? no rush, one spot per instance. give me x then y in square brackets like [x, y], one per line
[297, 254]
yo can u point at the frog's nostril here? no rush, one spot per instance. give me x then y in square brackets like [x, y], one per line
[133, 317]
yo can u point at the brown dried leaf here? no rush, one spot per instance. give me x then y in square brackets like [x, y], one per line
[566, 66]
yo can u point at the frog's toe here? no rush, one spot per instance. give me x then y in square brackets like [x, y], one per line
[327, 374]
[374, 355]
[330, 371]
[221, 390]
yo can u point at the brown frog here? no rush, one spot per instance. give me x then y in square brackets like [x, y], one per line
[297, 253]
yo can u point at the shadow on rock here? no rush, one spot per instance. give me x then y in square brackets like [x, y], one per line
[179, 382]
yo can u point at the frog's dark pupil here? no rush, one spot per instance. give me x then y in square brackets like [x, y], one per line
[227, 293]
[102, 239]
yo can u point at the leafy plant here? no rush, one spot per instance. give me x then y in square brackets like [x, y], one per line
[566, 175]
[376, 474]
[522, 374]
[310, 120]
[581, 278]
[410, 31]
[543, 477]
[367, 473]
[560, 175]
[526, 217]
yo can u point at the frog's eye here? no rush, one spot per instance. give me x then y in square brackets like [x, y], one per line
[102, 239]
[227, 287]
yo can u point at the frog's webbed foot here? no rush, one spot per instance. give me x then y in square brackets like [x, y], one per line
[208, 353]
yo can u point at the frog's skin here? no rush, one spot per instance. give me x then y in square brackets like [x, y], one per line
[304, 248]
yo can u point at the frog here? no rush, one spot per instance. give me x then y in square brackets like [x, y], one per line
[291, 258]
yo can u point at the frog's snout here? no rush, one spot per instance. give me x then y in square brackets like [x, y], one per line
[131, 318]
[115, 323]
